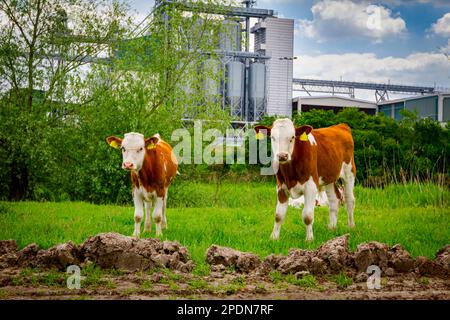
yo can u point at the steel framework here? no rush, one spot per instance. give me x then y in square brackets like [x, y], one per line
[348, 87]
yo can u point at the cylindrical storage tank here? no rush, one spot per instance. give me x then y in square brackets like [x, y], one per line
[230, 36]
[256, 91]
[235, 88]
[211, 82]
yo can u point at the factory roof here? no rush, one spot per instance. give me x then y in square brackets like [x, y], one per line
[333, 97]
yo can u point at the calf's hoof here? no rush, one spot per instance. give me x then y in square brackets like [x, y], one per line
[274, 236]
[332, 227]
[148, 228]
[351, 225]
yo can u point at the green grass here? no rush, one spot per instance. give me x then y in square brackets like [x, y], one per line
[307, 281]
[417, 216]
[147, 284]
[198, 283]
[342, 280]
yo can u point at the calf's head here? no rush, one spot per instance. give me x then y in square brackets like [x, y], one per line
[133, 147]
[283, 135]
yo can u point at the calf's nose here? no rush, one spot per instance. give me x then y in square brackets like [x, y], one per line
[282, 156]
[127, 165]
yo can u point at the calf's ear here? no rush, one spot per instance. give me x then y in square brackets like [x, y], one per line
[261, 130]
[150, 143]
[303, 131]
[114, 142]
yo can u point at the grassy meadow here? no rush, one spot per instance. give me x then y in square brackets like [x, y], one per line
[241, 216]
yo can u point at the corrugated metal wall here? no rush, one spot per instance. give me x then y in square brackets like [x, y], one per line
[279, 43]
[386, 109]
[425, 107]
[446, 109]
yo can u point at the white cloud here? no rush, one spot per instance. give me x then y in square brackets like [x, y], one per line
[434, 3]
[442, 26]
[351, 18]
[424, 69]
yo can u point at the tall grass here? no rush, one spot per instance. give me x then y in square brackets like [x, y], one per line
[235, 195]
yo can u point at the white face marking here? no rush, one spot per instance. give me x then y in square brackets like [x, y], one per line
[133, 151]
[283, 139]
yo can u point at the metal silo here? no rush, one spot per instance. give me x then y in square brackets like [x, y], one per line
[235, 88]
[256, 91]
[211, 81]
[230, 36]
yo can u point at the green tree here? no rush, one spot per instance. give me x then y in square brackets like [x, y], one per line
[43, 44]
[57, 107]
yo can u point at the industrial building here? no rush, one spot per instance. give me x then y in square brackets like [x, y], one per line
[274, 37]
[436, 107]
[335, 103]
[259, 81]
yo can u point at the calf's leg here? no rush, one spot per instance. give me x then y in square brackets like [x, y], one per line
[308, 210]
[333, 202]
[280, 214]
[148, 219]
[158, 215]
[138, 212]
[164, 217]
[349, 185]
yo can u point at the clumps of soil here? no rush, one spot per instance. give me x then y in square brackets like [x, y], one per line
[222, 257]
[333, 257]
[107, 250]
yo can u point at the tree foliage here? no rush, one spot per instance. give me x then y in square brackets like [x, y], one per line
[57, 109]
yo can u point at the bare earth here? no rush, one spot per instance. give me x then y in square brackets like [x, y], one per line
[224, 285]
[114, 266]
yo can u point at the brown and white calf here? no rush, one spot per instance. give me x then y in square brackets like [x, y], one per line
[307, 160]
[153, 166]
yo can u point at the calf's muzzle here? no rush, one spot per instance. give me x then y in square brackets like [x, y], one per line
[127, 165]
[283, 156]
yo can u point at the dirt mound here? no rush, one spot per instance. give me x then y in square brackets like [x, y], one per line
[443, 257]
[222, 257]
[113, 250]
[8, 246]
[336, 254]
[107, 250]
[371, 253]
[334, 257]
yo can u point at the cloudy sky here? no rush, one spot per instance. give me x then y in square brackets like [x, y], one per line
[396, 41]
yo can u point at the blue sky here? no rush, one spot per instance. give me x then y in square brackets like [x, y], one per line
[397, 41]
[418, 17]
